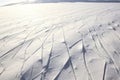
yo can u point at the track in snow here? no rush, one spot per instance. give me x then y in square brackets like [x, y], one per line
[62, 41]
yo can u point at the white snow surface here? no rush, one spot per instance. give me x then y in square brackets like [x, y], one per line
[60, 41]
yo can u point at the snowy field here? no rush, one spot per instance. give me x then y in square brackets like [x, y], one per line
[60, 41]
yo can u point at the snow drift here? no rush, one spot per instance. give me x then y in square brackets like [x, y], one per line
[63, 41]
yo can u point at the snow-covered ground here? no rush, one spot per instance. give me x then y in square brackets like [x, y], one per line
[60, 41]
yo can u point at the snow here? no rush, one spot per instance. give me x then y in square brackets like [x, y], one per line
[60, 41]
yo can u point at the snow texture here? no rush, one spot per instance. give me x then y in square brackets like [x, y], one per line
[60, 41]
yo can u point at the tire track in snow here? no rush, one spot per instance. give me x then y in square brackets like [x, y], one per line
[104, 73]
[66, 64]
[25, 39]
[84, 58]
[102, 46]
[93, 38]
[46, 68]
[41, 46]
[3, 69]
[68, 51]
[75, 43]
[100, 38]
[116, 67]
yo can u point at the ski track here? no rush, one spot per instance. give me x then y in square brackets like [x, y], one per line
[60, 41]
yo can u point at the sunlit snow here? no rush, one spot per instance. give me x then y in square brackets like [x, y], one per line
[60, 41]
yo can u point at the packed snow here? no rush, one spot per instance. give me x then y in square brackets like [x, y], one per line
[60, 41]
